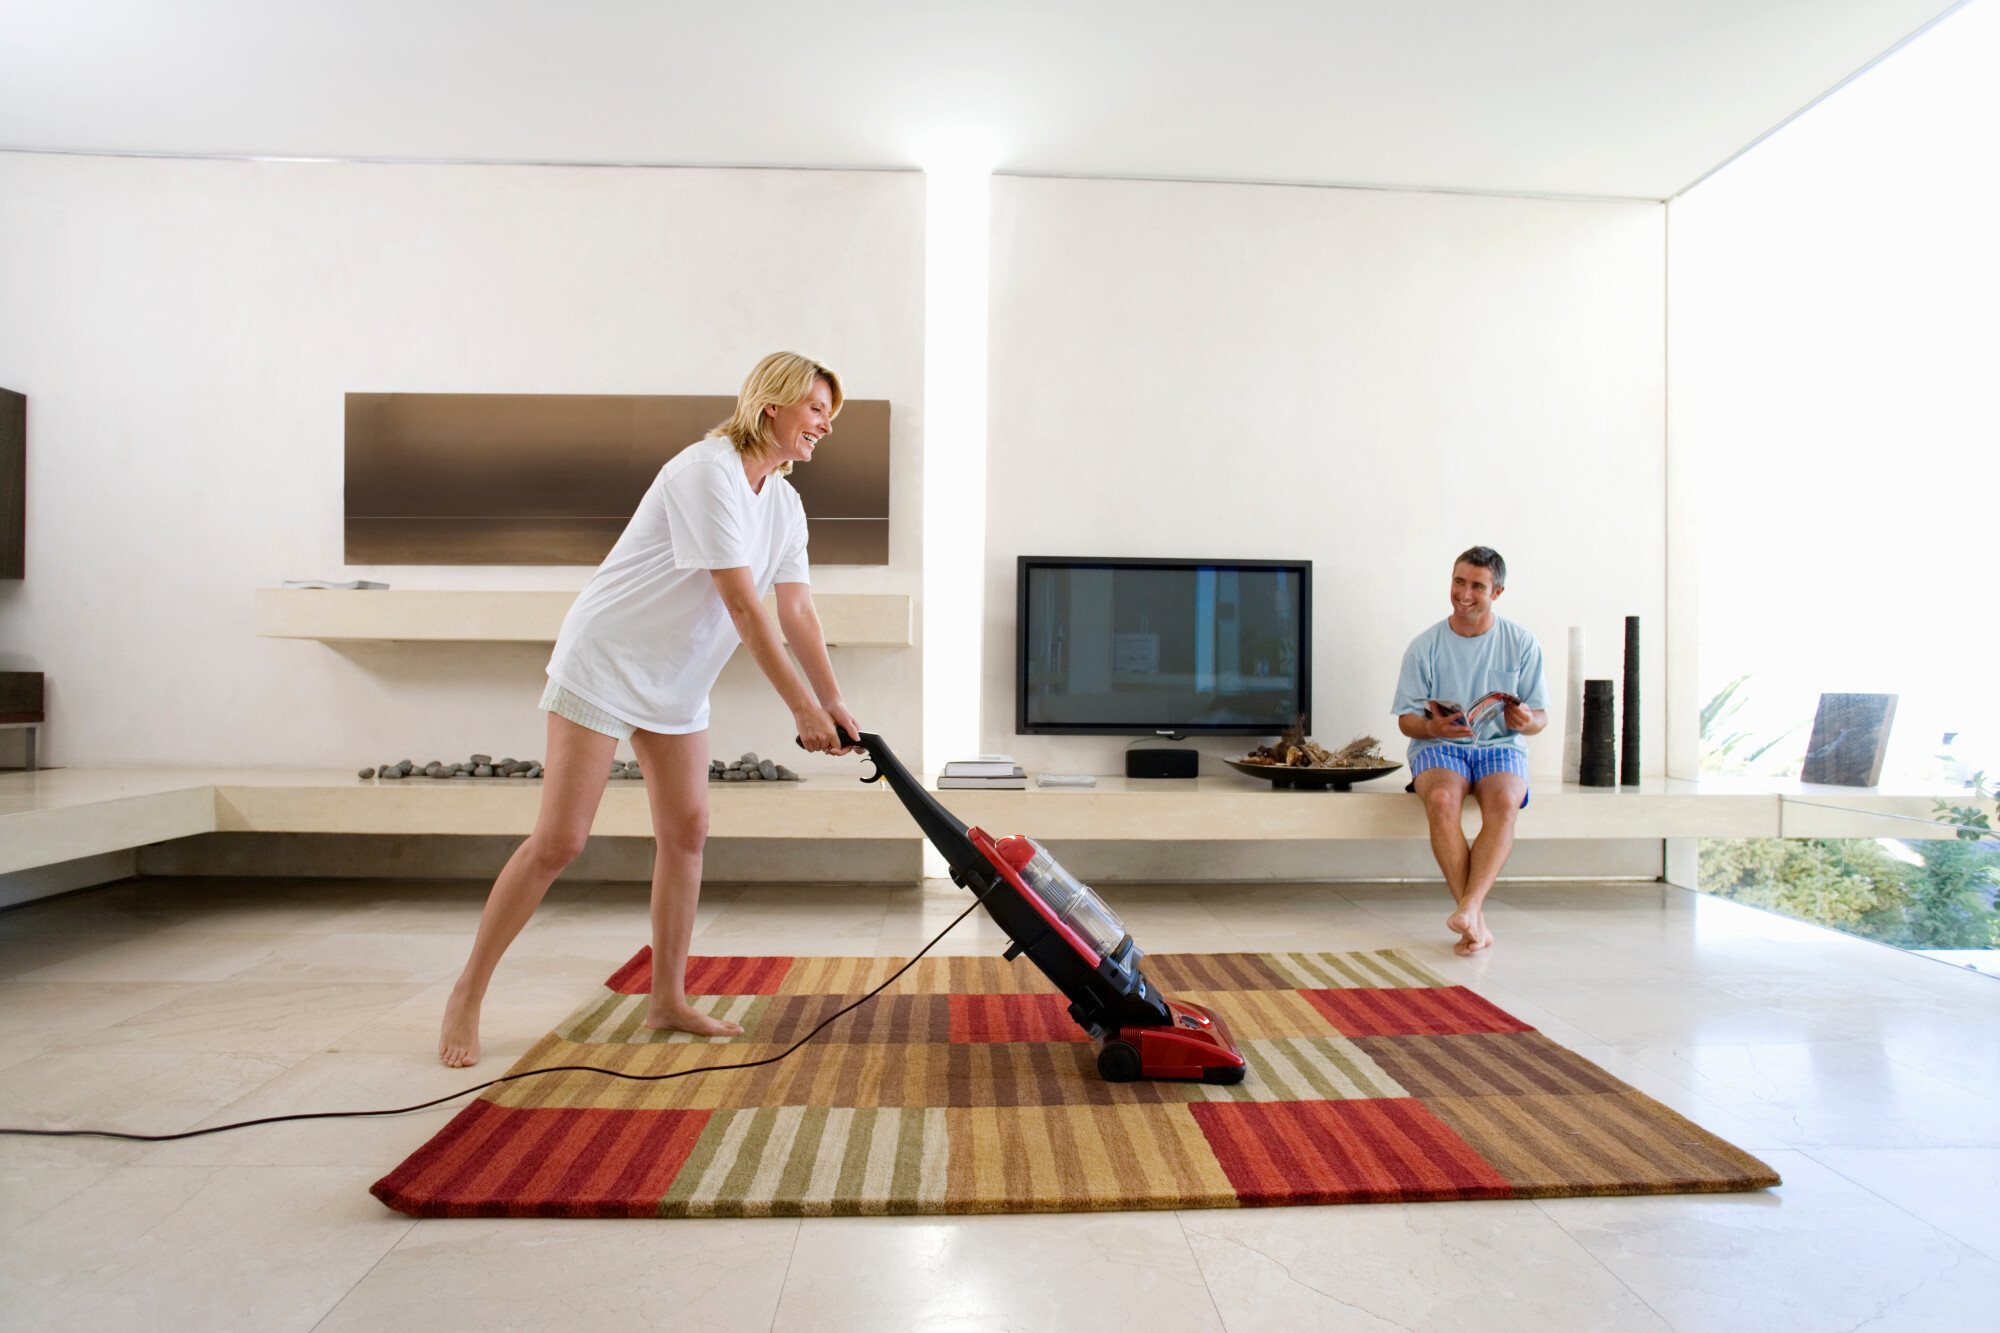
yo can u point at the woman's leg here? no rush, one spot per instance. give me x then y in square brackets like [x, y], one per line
[573, 777]
[676, 772]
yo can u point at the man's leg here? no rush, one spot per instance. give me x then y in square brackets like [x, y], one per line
[1443, 794]
[1499, 796]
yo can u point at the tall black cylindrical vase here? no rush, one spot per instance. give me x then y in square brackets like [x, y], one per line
[1599, 763]
[1628, 749]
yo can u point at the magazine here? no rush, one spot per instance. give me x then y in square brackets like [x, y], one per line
[1487, 717]
[983, 766]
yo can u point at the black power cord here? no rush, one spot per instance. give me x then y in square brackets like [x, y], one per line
[526, 1073]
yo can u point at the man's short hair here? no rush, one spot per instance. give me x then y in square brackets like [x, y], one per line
[1486, 558]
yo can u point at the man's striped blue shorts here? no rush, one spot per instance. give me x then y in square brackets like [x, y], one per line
[1472, 762]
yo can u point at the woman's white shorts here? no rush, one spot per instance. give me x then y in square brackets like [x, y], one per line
[557, 700]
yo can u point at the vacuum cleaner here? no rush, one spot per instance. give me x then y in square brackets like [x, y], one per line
[1077, 941]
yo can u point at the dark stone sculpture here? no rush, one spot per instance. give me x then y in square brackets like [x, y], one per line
[1628, 751]
[1598, 767]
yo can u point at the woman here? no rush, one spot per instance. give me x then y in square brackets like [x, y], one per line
[638, 653]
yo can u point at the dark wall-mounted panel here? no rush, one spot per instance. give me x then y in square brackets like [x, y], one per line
[550, 479]
[21, 697]
[14, 484]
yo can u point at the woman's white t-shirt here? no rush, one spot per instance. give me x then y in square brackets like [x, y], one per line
[649, 633]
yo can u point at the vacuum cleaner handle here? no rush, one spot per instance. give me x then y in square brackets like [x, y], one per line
[847, 742]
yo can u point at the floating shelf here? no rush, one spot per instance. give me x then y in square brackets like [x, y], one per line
[435, 616]
[63, 814]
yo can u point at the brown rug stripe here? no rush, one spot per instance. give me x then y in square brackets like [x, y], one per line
[988, 975]
[1486, 1064]
[888, 1018]
[1177, 972]
[1607, 1143]
[1046, 1074]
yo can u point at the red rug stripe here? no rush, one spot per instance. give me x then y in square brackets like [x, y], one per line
[1389, 1150]
[546, 1162]
[412, 1184]
[1416, 1011]
[719, 975]
[977, 1018]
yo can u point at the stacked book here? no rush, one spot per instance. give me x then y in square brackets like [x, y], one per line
[997, 772]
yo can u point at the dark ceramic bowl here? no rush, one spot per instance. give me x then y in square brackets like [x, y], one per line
[1334, 779]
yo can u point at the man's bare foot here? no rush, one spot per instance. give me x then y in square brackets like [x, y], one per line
[1470, 923]
[458, 1040]
[683, 1018]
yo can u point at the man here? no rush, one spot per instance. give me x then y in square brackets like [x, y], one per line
[1451, 667]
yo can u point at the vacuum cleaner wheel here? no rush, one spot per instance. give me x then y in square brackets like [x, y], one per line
[1118, 1061]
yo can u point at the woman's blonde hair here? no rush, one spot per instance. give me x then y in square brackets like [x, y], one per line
[779, 380]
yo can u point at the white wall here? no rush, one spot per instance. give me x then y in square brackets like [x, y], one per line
[184, 331]
[1370, 379]
[1373, 380]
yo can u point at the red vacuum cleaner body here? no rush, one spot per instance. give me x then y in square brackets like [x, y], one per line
[1077, 941]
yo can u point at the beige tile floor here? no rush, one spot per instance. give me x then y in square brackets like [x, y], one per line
[1869, 1078]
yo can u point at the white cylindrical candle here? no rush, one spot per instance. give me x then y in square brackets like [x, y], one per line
[1573, 708]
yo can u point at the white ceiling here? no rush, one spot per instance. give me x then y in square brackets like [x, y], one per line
[1614, 98]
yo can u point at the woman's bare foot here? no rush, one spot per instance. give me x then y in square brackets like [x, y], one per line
[683, 1018]
[1470, 923]
[458, 1040]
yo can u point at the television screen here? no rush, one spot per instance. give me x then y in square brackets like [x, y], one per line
[1122, 647]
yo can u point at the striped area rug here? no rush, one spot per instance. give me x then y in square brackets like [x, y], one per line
[965, 1088]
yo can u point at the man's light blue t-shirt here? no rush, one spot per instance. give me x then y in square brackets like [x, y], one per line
[1444, 665]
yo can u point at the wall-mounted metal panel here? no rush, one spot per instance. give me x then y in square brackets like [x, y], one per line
[14, 484]
[550, 479]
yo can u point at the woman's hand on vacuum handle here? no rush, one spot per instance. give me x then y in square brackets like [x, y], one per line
[845, 721]
[815, 728]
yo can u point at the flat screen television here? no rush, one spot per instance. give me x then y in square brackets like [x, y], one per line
[1110, 647]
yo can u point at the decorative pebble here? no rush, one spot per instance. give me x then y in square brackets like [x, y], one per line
[518, 772]
[534, 770]
[406, 768]
[479, 759]
[767, 769]
[483, 771]
[433, 769]
[786, 774]
[367, 773]
[504, 763]
[747, 757]
[734, 775]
